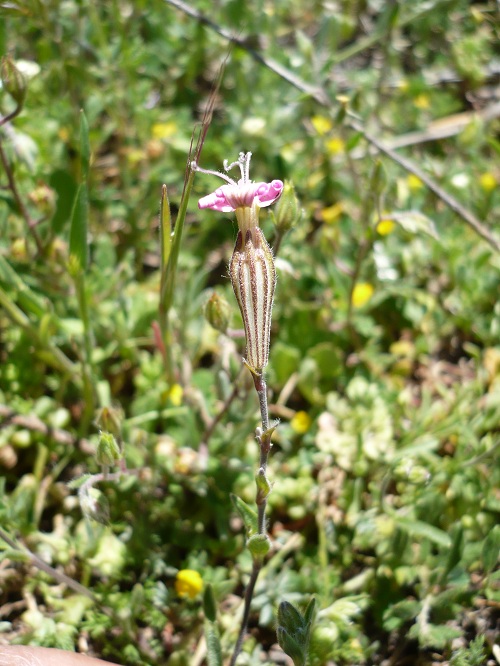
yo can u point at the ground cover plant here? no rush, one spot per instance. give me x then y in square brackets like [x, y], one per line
[128, 449]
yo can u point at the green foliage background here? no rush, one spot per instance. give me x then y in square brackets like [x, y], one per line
[385, 360]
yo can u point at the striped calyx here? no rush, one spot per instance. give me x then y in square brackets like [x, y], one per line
[253, 276]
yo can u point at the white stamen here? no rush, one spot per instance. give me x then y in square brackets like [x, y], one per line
[195, 167]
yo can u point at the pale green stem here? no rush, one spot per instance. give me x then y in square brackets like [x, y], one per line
[52, 355]
[87, 365]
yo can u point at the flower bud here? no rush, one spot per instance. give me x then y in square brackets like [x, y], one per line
[218, 312]
[109, 419]
[108, 451]
[259, 545]
[253, 277]
[287, 211]
[12, 80]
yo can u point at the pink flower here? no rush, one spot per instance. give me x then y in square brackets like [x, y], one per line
[241, 194]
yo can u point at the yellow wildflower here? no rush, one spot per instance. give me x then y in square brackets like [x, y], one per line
[175, 395]
[332, 213]
[488, 182]
[321, 124]
[414, 183]
[301, 422]
[361, 294]
[335, 146]
[164, 130]
[422, 101]
[188, 583]
[385, 227]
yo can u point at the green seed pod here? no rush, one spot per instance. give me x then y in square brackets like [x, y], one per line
[253, 276]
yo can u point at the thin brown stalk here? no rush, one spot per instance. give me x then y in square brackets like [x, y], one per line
[30, 223]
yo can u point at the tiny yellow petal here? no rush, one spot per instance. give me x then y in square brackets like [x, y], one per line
[488, 181]
[301, 422]
[414, 182]
[422, 101]
[361, 294]
[164, 130]
[175, 395]
[385, 227]
[321, 124]
[335, 146]
[188, 583]
[332, 213]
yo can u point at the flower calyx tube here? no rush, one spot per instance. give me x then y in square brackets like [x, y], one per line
[251, 268]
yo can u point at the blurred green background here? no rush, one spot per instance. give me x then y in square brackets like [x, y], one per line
[385, 354]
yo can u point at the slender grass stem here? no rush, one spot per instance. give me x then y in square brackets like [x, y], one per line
[89, 396]
[53, 356]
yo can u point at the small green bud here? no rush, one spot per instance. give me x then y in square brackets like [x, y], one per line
[294, 630]
[290, 646]
[264, 486]
[108, 452]
[259, 545]
[109, 419]
[287, 211]
[218, 312]
[12, 80]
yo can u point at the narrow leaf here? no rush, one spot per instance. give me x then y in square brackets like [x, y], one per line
[165, 229]
[418, 528]
[491, 549]
[28, 300]
[209, 605]
[84, 146]
[78, 250]
[455, 554]
[414, 222]
[247, 514]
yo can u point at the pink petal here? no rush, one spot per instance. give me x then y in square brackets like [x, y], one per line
[230, 197]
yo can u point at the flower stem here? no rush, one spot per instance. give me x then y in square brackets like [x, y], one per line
[264, 438]
[257, 566]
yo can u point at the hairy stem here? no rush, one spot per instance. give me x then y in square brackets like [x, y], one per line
[265, 447]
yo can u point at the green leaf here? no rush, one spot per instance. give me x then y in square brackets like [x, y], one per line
[27, 299]
[491, 549]
[309, 612]
[248, 515]
[78, 250]
[65, 187]
[84, 146]
[418, 528]
[209, 605]
[165, 229]
[290, 647]
[414, 222]
[214, 652]
[455, 554]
